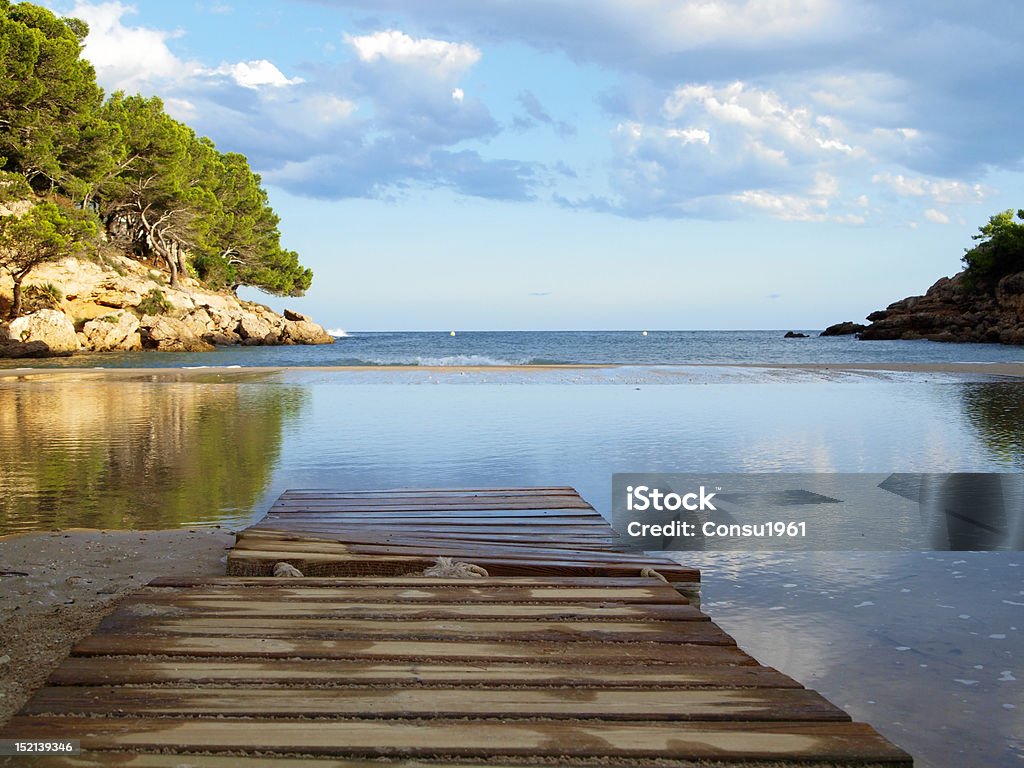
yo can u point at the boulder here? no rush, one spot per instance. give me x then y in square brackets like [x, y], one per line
[290, 314]
[304, 332]
[48, 326]
[119, 293]
[169, 334]
[199, 322]
[117, 332]
[254, 329]
[793, 335]
[843, 329]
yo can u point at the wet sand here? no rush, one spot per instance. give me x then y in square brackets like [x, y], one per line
[55, 587]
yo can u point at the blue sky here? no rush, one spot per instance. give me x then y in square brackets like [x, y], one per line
[563, 164]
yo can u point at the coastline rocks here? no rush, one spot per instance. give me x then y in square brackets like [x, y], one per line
[949, 311]
[792, 335]
[104, 295]
[116, 332]
[169, 334]
[847, 328]
[47, 326]
[304, 332]
[254, 329]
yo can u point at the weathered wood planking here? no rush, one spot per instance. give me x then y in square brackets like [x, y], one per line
[261, 563]
[792, 705]
[695, 632]
[186, 605]
[130, 644]
[508, 531]
[120, 670]
[490, 739]
[590, 666]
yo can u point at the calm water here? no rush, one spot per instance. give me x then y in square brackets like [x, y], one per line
[553, 347]
[926, 647]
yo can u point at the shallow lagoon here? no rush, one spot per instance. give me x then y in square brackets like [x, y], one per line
[924, 646]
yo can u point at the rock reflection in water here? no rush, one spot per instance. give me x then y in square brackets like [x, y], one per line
[137, 453]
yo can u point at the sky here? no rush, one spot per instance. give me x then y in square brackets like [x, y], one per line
[597, 164]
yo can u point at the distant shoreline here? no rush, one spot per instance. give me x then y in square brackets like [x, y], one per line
[1015, 370]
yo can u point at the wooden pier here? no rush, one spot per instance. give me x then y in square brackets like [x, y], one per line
[563, 655]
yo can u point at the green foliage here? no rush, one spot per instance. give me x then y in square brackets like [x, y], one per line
[13, 187]
[159, 189]
[47, 232]
[999, 252]
[41, 296]
[154, 303]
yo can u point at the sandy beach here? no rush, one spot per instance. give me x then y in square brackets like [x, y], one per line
[56, 586]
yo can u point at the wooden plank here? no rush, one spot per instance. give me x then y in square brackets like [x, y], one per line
[185, 605]
[369, 534]
[533, 652]
[401, 519]
[465, 550]
[554, 703]
[270, 588]
[512, 505]
[246, 562]
[697, 632]
[104, 670]
[475, 738]
[479, 527]
[635, 586]
[342, 492]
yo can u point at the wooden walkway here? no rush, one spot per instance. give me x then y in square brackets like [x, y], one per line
[330, 671]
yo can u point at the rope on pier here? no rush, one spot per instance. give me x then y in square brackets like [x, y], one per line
[447, 568]
[650, 572]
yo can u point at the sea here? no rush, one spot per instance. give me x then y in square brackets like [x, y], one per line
[927, 646]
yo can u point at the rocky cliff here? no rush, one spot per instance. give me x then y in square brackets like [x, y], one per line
[118, 304]
[951, 311]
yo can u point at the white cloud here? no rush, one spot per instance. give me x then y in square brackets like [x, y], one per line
[948, 191]
[125, 57]
[458, 95]
[438, 57]
[814, 206]
[255, 74]
[689, 135]
[936, 217]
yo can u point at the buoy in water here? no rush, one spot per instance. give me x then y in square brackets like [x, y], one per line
[644, 333]
[452, 333]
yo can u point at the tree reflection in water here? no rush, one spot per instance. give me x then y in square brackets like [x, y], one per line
[145, 452]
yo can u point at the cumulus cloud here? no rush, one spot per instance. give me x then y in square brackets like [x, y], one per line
[938, 190]
[127, 57]
[255, 74]
[936, 217]
[439, 58]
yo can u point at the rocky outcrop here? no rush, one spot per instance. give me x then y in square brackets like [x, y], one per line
[163, 333]
[48, 327]
[304, 332]
[847, 328]
[794, 335]
[116, 332]
[148, 313]
[951, 311]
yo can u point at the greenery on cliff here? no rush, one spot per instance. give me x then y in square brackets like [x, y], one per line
[146, 180]
[999, 252]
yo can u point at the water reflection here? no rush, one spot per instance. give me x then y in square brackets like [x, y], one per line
[137, 453]
[996, 412]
